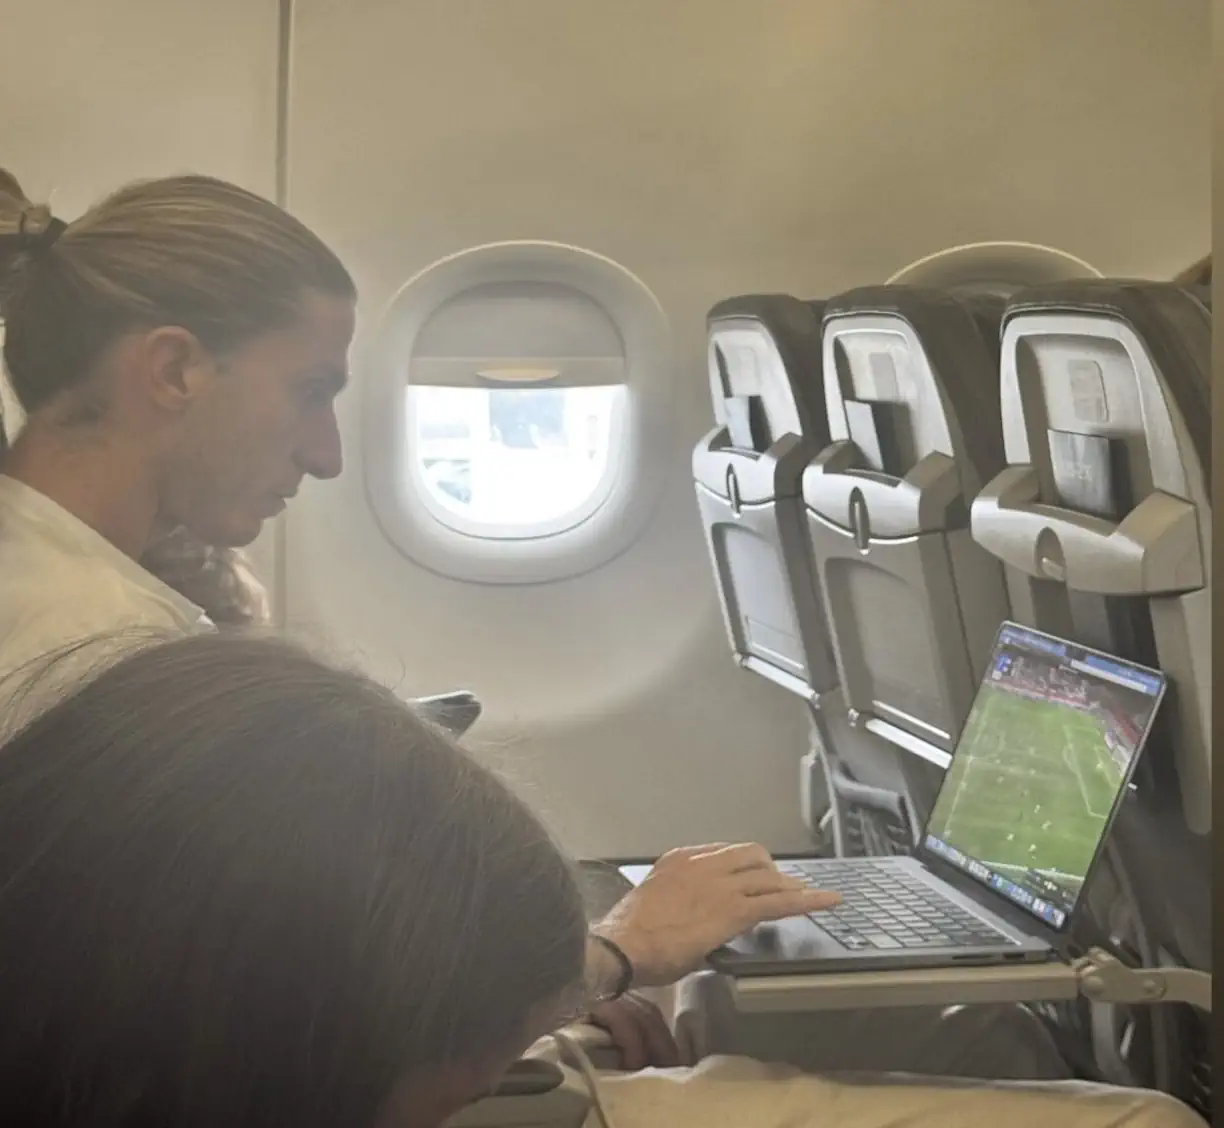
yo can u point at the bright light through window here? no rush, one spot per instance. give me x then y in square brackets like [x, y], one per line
[514, 462]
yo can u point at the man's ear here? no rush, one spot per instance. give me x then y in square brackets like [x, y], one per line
[176, 365]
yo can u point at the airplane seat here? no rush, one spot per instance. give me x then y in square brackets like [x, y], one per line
[456, 711]
[1102, 519]
[533, 1093]
[765, 380]
[912, 604]
[768, 393]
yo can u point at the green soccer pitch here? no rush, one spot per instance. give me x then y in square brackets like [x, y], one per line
[1030, 787]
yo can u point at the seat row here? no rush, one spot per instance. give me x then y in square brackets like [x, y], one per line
[895, 471]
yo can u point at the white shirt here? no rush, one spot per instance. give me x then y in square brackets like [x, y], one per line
[62, 583]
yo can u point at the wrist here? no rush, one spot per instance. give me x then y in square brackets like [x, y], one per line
[648, 960]
[610, 971]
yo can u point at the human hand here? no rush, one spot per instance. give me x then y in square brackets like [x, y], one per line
[639, 1033]
[695, 900]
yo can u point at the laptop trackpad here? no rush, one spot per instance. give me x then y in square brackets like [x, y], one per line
[796, 938]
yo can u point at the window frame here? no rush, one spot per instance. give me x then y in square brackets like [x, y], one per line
[638, 461]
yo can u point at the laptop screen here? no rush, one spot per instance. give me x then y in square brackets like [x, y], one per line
[1042, 762]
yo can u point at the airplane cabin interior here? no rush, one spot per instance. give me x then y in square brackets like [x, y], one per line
[755, 409]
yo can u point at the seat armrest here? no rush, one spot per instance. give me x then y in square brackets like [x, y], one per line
[533, 1094]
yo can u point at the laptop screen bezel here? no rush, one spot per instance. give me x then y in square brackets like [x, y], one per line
[945, 869]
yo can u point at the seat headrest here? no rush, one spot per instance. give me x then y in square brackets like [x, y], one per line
[1167, 317]
[793, 321]
[794, 327]
[960, 336]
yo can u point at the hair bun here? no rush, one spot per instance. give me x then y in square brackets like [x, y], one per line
[26, 229]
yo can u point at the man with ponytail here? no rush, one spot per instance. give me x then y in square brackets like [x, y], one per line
[177, 352]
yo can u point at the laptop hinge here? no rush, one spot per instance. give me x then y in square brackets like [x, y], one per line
[979, 894]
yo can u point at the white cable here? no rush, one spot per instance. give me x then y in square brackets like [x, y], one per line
[570, 1048]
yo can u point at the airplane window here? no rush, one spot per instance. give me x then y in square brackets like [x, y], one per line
[518, 408]
[514, 462]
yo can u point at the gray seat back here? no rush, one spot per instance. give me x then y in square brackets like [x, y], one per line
[1103, 520]
[765, 381]
[911, 393]
[1117, 375]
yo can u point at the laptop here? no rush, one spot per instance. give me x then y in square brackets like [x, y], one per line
[1040, 769]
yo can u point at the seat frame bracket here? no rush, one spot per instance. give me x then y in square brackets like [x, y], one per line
[1097, 976]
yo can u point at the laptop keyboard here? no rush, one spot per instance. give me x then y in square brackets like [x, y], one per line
[883, 908]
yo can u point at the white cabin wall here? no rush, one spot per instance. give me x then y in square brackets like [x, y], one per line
[95, 95]
[712, 148]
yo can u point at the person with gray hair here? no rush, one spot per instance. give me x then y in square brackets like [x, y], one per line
[241, 887]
